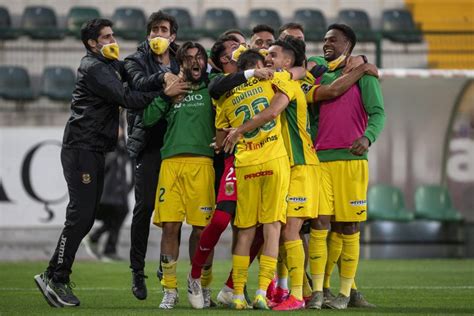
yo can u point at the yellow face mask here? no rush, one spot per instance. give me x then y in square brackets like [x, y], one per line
[236, 53]
[332, 65]
[159, 45]
[263, 52]
[110, 51]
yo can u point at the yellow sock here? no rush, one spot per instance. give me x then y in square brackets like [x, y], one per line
[334, 252]
[295, 260]
[282, 270]
[240, 269]
[206, 277]
[349, 262]
[354, 286]
[169, 280]
[307, 290]
[318, 255]
[266, 273]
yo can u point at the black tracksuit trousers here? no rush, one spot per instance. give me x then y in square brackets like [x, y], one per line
[84, 173]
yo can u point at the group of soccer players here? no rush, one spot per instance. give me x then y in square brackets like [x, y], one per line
[293, 133]
[273, 182]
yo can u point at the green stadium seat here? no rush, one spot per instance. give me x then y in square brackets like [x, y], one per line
[386, 202]
[359, 21]
[434, 202]
[264, 16]
[130, 23]
[77, 16]
[186, 32]
[7, 32]
[15, 84]
[40, 22]
[57, 83]
[398, 26]
[314, 23]
[216, 21]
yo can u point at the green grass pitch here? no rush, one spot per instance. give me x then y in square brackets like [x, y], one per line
[397, 287]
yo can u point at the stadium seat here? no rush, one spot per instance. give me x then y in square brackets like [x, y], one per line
[77, 16]
[359, 21]
[6, 30]
[264, 16]
[15, 84]
[434, 202]
[314, 23]
[57, 83]
[40, 22]
[398, 26]
[386, 202]
[130, 23]
[216, 21]
[186, 32]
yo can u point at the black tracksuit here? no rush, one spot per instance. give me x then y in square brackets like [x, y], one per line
[90, 132]
[144, 74]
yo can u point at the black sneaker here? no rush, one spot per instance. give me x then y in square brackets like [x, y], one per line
[138, 285]
[62, 292]
[41, 281]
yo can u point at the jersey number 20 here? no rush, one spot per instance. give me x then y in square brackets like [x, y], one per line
[250, 111]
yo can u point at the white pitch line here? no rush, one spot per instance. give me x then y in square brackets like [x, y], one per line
[435, 288]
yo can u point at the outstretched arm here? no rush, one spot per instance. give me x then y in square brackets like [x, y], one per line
[343, 83]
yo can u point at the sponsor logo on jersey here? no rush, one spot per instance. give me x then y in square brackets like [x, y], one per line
[306, 87]
[358, 203]
[296, 199]
[255, 146]
[258, 174]
[360, 213]
[242, 87]
[229, 188]
[191, 100]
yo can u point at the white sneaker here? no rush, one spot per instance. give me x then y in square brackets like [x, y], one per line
[195, 293]
[170, 299]
[225, 296]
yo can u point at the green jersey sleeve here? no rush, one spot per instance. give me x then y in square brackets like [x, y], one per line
[155, 111]
[374, 106]
[319, 60]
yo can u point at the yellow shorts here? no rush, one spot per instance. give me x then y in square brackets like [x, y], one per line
[185, 190]
[262, 193]
[344, 190]
[303, 194]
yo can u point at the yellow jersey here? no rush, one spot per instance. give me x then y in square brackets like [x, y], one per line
[239, 105]
[296, 128]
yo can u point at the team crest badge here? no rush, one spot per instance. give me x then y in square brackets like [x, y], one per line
[229, 188]
[86, 178]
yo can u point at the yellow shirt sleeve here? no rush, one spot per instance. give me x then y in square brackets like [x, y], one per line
[311, 94]
[221, 120]
[281, 81]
